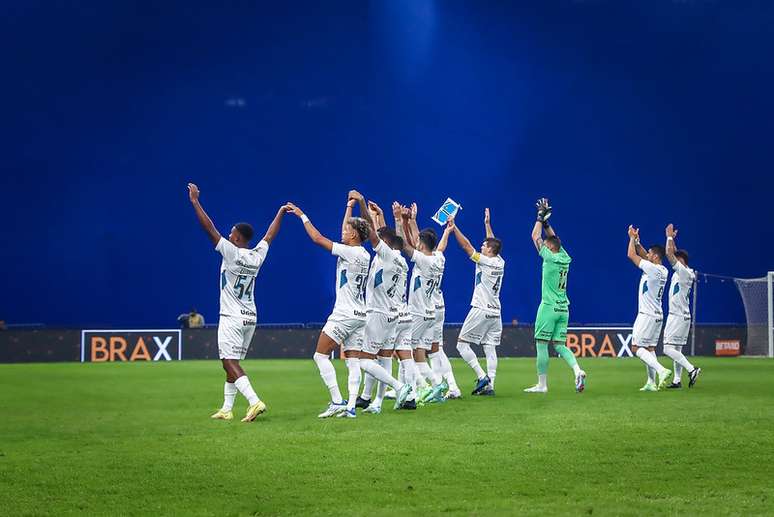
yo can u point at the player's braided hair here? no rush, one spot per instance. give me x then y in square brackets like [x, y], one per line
[361, 226]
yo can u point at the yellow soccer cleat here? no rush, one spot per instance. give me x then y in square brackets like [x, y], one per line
[223, 415]
[254, 410]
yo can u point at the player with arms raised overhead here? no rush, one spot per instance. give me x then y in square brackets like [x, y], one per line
[678, 323]
[483, 324]
[554, 311]
[346, 324]
[650, 315]
[238, 316]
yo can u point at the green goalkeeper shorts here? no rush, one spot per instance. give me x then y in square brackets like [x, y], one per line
[551, 323]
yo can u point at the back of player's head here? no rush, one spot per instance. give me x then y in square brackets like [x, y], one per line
[682, 254]
[429, 238]
[494, 244]
[392, 239]
[361, 227]
[553, 242]
[245, 231]
[658, 250]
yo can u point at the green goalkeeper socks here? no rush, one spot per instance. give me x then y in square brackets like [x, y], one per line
[542, 357]
[566, 354]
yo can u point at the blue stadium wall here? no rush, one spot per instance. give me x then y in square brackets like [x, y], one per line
[621, 113]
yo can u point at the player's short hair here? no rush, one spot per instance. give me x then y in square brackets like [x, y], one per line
[389, 236]
[245, 230]
[683, 255]
[554, 241]
[495, 244]
[429, 238]
[361, 226]
[658, 249]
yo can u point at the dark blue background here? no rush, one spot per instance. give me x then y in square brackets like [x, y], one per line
[619, 112]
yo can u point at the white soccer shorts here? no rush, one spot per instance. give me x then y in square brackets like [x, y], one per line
[234, 337]
[646, 330]
[677, 329]
[481, 327]
[348, 333]
[401, 338]
[422, 332]
[440, 317]
[379, 330]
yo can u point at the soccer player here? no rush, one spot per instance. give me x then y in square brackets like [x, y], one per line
[483, 325]
[238, 316]
[346, 324]
[650, 315]
[554, 311]
[678, 323]
[425, 276]
[386, 289]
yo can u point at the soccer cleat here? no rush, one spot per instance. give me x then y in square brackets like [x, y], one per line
[580, 382]
[649, 386]
[373, 409]
[402, 395]
[390, 394]
[223, 415]
[453, 394]
[663, 379]
[254, 410]
[347, 413]
[481, 384]
[362, 403]
[489, 392]
[675, 386]
[536, 389]
[333, 408]
[423, 393]
[693, 376]
[409, 404]
[436, 394]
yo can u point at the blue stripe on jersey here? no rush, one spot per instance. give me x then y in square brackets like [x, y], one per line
[223, 280]
[378, 278]
[417, 283]
[478, 278]
[343, 279]
[644, 287]
[676, 289]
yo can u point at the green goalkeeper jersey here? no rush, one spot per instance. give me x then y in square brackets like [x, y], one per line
[555, 269]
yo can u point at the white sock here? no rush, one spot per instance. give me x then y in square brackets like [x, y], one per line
[428, 374]
[676, 354]
[649, 358]
[543, 380]
[401, 372]
[678, 375]
[229, 394]
[368, 384]
[435, 365]
[244, 387]
[470, 357]
[651, 373]
[353, 381]
[372, 368]
[410, 373]
[328, 374]
[448, 372]
[491, 362]
[386, 363]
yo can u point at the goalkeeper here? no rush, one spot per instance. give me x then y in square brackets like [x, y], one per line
[554, 311]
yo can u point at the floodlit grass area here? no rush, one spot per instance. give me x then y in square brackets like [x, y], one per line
[136, 438]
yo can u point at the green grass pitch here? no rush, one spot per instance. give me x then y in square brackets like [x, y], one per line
[136, 439]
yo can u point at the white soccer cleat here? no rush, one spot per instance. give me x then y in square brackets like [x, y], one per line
[373, 409]
[649, 386]
[536, 389]
[453, 394]
[349, 413]
[580, 381]
[664, 379]
[333, 409]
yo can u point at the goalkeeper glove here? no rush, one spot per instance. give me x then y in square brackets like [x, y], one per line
[544, 210]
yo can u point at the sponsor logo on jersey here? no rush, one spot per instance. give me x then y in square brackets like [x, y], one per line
[131, 345]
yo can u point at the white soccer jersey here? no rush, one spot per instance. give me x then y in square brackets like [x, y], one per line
[489, 281]
[438, 293]
[237, 277]
[680, 290]
[424, 280]
[652, 284]
[351, 278]
[386, 280]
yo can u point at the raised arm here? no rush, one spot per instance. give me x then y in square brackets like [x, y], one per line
[631, 251]
[365, 214]
[274, 227]
[487, 225]
[413, 224]
[377, 214]
[537, 235]
[204, 219]
[347, 214]
[397, 209]
[408, 246]
[313, 233]
[444, 241]
[671, 246]
[463, 241]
